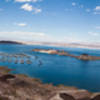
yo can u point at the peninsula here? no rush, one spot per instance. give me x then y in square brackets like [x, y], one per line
[64, 53]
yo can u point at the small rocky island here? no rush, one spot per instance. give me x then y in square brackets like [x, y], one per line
[21, 87]
[64, 53]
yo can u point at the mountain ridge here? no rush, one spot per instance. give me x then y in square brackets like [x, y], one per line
[72, 45]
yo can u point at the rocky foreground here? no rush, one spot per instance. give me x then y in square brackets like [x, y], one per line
[21, 87]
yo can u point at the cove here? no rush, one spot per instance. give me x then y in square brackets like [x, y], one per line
[56, 69]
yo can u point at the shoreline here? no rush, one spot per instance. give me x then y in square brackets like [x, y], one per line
[22, 87]
[65, 45]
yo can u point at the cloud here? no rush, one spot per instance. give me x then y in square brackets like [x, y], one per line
[20, 24]
[97, 27]
[73, 4]
[93, 33]
[27, 7]
[22, 1]
[36, 10]
[30, 8]
[97, 8]
[71, 39]
[23, 36]
[28, 36]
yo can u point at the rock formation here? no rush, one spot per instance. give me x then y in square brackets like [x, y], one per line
[21, 87]
[95, 96]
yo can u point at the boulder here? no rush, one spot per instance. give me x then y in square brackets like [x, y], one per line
[65, 96]
[4, 98]
[6, 77]
[75, 94]
[95, 96]
[84, 57]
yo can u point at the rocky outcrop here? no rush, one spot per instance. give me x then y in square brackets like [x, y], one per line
[88, 57]
[49, 51]
[84, 57]
[95, 96]
[21, 87]
[72, 95]
[65, 96]
[64, 53]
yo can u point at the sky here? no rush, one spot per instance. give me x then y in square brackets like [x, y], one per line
[61, 21]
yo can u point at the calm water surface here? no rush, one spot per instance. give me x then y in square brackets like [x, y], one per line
[57, 69]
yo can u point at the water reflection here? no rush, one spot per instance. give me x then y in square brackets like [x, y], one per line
[20, 58]
[16, 58]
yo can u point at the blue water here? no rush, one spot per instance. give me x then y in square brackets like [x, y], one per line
[57, 69]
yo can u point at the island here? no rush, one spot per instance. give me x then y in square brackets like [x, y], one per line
[22, 87]
[64, 53]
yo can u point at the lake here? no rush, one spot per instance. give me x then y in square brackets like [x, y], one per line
[56, 69]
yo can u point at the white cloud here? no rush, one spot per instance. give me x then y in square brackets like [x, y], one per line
[21, 1]
[30, 8]
[97, 8]
[25, 36]
[97, 27]
[93, 33]
[36, 10]
[27, 7]
[28, 36]
[73, 4]
[20, 24]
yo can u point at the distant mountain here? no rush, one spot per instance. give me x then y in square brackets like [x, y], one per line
[10, 42]
[72, 45]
